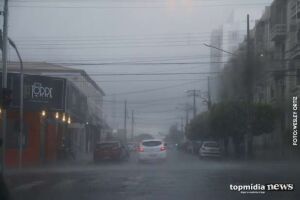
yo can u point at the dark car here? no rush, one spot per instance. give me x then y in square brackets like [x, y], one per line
[110, 150]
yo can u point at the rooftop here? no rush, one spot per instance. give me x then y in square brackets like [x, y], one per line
[40, 68]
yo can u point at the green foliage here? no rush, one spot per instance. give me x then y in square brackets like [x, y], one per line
[143, 136]
[263, 120]
[174, 134]
[199, 127]
[228, 119]
[233, 119]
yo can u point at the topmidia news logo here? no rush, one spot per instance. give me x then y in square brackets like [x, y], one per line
[262, 188]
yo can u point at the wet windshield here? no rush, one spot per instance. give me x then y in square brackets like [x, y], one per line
[149, 99]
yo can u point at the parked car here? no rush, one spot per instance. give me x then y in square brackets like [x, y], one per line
[210, 149]
[153, 149]
[110, 150]
[132, 146]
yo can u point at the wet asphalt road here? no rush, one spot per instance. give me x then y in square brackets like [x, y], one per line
[182, 176]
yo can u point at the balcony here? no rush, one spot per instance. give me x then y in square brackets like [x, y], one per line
[295, 91]
[278, 32]
[294, 53]
[294, 9]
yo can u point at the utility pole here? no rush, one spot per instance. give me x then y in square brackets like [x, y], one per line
[248, 63]
[249, 96]
[21, 101]
[248, 56]
[182, 128]
[194, 93]
[132, 125]
[194, 103]
[187, 109]
[186, 116]
[4, 80]
[125, 119]
[114, 102]
[208, 94]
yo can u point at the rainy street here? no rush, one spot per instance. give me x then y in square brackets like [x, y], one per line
[149, 99]
[182, 176]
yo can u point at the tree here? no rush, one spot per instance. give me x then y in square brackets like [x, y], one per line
[143, 136]
[233, 119]
[174, 134]
[228, 119]
[199, 128]
[263, 120]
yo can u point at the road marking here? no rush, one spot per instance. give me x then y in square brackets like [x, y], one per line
[132, 181]
[64, 184]
[28, 185]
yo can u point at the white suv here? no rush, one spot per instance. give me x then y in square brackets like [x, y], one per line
[152, 150]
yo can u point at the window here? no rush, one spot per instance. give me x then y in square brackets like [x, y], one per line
[298, 77]
[151, 143]
[272, 93]
[211, 144]
[108, 145]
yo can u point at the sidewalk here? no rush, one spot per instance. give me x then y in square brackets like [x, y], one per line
[82, 159]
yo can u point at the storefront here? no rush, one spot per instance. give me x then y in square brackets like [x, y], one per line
[45, 119]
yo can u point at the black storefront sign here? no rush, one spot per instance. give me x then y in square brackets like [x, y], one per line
[40, 92]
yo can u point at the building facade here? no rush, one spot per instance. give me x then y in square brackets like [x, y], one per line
[274, 42]
[61, 112]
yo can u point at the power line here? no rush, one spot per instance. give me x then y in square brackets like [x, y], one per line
[147, 101]
[93, 42]
[152, 90]
[15, 5]
[92, 62]
[152, 74]
[130, 60]
[152, 80]
[184, 37]
[115, 42]
[166, 36]
[103, 1]
[115, 46]
[137, 63]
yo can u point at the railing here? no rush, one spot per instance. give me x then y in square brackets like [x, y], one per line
[278, 31]
[294, 51]
[294, 8]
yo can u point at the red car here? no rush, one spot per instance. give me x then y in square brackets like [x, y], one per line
[110, 150]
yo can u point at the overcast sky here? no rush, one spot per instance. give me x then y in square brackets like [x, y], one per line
[115, 31]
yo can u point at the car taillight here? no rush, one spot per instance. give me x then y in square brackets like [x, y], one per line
[162, 148]
[140, 149]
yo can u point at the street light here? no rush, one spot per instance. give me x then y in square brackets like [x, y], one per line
[21, 99]
[56, 115]
[43, 113]
[69, 120]
[64, 117]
